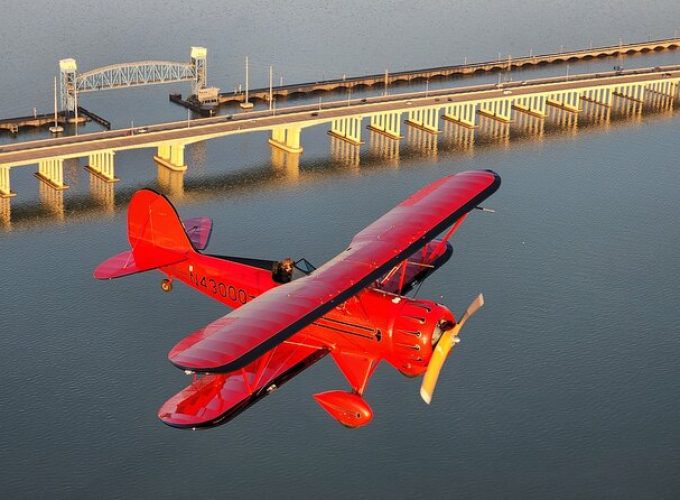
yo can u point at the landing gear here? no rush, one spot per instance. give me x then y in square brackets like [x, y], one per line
[166, 285]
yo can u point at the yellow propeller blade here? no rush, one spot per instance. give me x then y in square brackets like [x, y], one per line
[448, 339]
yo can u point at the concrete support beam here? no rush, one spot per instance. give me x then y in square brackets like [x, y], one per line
[347, 129]
[461, 114]
[5, 191]
[286, 138]
[426, 119]
[534, 105]
[634, 92]
[667, 88]
[51, 172]
[497, 109]
[599, 95]
[568, 100]
[171, 156]
[100, 164]
[659, 101]
[387, 124]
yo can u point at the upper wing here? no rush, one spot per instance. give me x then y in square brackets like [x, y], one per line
[246, 333]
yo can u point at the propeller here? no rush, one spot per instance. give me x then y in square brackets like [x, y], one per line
[448, 339]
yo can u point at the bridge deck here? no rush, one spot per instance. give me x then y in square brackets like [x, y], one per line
[309, 115]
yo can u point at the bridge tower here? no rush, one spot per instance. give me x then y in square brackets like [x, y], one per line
[200, 63]
[68, 81]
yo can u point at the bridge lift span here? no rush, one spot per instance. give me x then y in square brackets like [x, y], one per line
[133, 74]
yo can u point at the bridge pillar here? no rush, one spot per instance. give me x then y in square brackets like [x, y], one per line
[497, 109]
[633, 92]
[598, 95]
[51, 172]
[387, 124]
[568, 100]
[461, 114]
[286, 138]
[171, 156]
[534, 105]
[665, 88]
[347, 129]
[100, 164]
[426, 119]
[5, 191]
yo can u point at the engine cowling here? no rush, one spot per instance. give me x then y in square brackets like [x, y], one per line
[414, 333]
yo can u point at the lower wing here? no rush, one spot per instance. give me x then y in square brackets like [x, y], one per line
[216, 398]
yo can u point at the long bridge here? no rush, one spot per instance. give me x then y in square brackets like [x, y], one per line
[404, 77]
[384, 114]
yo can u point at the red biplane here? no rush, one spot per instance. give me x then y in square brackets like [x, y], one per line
[288, 315]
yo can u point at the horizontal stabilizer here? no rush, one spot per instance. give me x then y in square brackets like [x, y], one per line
[123, 264]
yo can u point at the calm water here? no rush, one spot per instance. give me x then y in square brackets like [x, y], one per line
[565, 384]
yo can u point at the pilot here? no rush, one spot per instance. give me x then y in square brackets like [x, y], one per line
[282, 271]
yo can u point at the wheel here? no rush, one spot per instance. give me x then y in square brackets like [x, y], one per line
[166, 285]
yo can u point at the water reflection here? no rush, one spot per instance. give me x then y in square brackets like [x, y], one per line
[52, 199]
[5, 214]
[102, 191]
[345, 153]
[345, 158]
[383, 148]
[286, 164]
[457, 137]
[494, 131]
[171, 182]
[530, 125]
[422, 141]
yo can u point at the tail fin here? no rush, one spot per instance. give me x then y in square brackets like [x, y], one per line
[156, 234]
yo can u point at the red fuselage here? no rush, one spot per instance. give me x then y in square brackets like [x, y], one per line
[375, 323]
